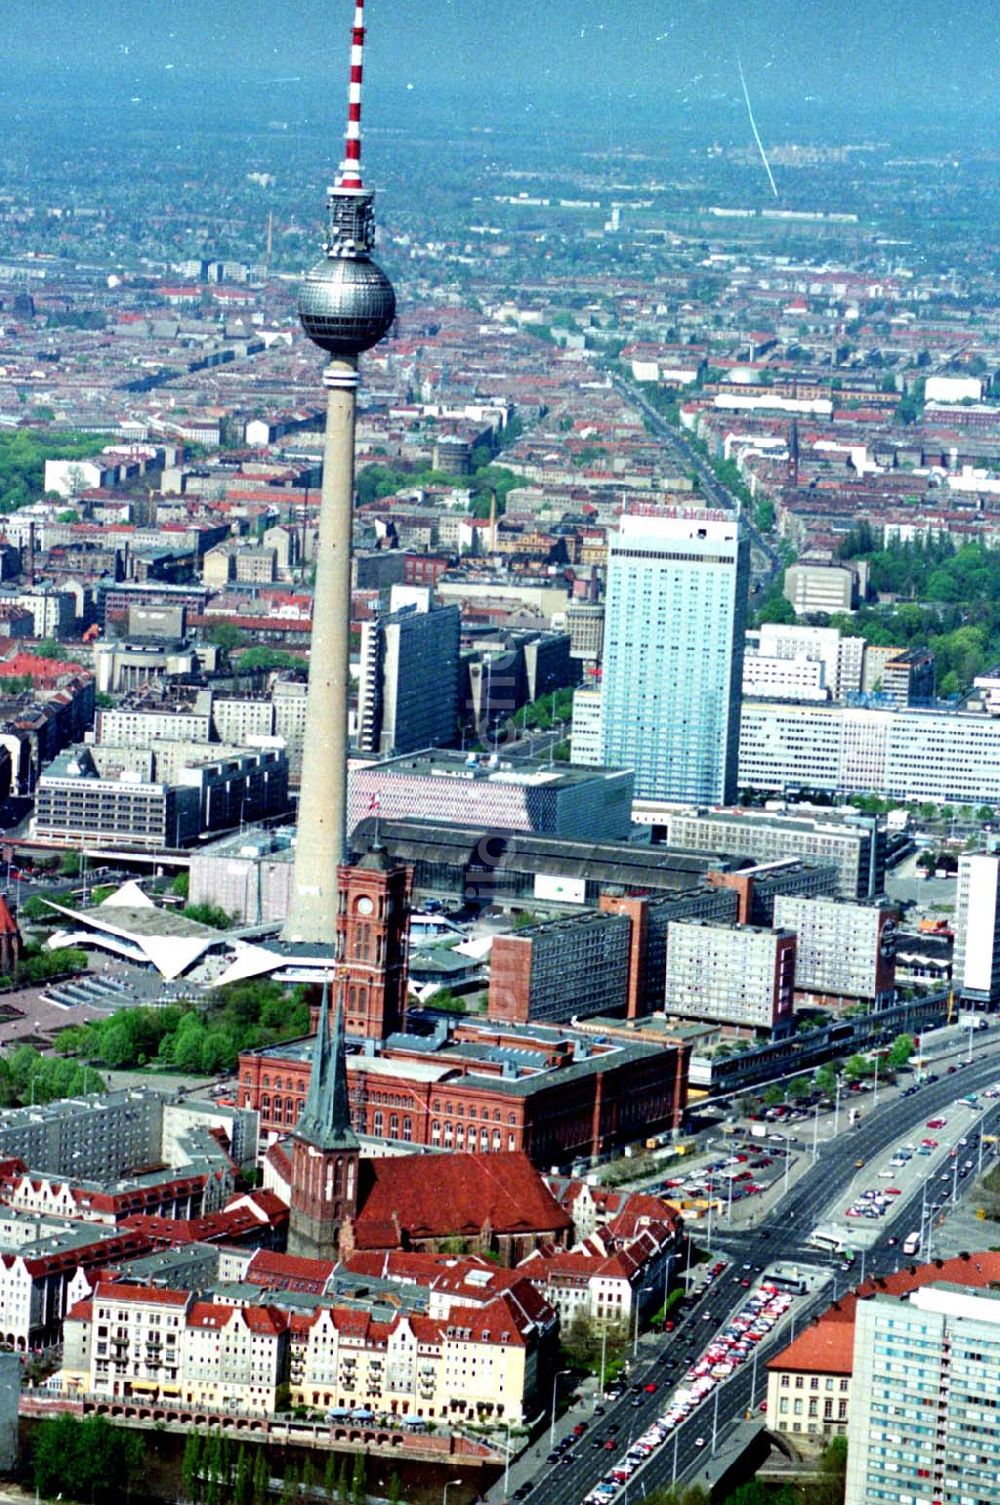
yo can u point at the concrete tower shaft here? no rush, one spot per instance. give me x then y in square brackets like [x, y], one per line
[346, 305]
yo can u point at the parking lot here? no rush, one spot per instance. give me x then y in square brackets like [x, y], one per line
[743, 1170]
[936, 1162]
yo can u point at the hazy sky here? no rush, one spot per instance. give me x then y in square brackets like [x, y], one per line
[801, 56]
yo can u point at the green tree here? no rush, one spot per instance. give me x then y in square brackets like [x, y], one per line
[69, 865]
[826, 1080]
[83, 1459]
[798, 1087]
[181, 885]
[900, 1051]
[49, 648]
[225, 635]
[828, 1486]
[774, 1095]
[857, 1066]
[774, 608]
[331, 1477]
[261, 1477]
[209, 914]
[243, 1492]
[395, 1496]
[36, 908]
[289, 1485]
[267, 659]
[358, 1492]
[191, 1466]
[211, 1467]
[445, 999]
[764, 515]
[756, 1493]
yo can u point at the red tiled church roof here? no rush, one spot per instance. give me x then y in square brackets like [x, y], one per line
[456, 1195]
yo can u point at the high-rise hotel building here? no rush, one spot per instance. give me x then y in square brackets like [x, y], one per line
[673, 651]
[924, 1399]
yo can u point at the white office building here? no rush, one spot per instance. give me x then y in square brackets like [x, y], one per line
[912, 753]
[795, 662]
[586, 734]
[976, 970]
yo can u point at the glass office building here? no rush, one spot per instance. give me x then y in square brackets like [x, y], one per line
[673, 651]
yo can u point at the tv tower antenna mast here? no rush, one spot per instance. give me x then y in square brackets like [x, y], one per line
[346, 305]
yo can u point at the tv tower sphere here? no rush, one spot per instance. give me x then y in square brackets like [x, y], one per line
[346, 303]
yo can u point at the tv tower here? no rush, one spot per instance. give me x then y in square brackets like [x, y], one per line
[346, 305]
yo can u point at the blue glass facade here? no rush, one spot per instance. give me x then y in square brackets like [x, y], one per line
[673, 652]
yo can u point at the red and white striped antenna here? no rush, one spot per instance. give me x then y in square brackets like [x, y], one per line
[349, 175]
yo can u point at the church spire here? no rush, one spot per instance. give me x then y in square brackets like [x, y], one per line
[325, 1122]
[337, 1108]
[311, 1115]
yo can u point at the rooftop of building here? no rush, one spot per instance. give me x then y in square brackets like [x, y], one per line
[516, 1070]
[466, 1193]
[564, 924]
[40, 1113]
[628, 864]
[153, 1268]
[444, 763]
[734, 927]
[795, 818]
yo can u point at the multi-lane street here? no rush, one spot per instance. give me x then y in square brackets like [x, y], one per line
[825, 1185]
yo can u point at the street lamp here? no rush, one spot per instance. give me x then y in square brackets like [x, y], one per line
[552, 1426]
[506, 1464]
[450, 1485]
[638, 1303]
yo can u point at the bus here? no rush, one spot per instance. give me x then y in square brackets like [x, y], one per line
[829, 1243]
[794, 1284]
[911, 1243]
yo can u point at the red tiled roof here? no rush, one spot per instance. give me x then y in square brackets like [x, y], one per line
[264, 1319]
[209, 1314]
[458, 1194]
[109, 1290]
[828, 1345]
[289, 1272]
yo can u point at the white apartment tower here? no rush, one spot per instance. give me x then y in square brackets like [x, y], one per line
[923, 1424]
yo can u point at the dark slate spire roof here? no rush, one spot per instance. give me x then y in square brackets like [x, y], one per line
[326, 1117]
